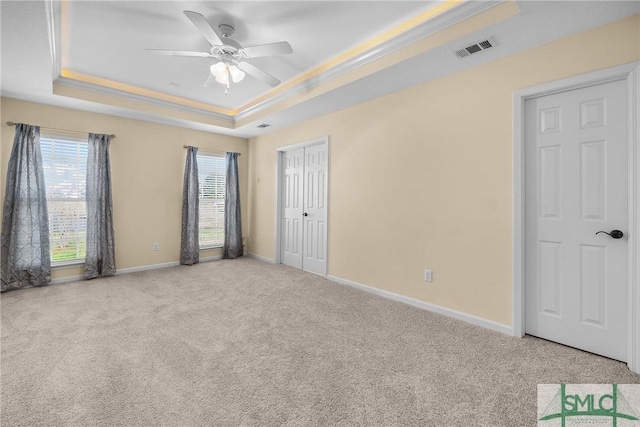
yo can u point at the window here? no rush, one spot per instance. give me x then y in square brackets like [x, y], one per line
[212, 173]
[65, 172]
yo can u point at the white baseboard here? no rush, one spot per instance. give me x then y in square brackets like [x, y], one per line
[66, 279]
[135, 269]
[210, 258]
[469, 318]
[260, 257]
[146, 267]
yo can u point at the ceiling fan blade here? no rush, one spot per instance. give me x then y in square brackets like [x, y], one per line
[204, 27]
[278, 48]
[180, 53]
[256, 72]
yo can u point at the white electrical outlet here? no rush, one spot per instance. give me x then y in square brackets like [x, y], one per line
[155, 246]
[427, 275]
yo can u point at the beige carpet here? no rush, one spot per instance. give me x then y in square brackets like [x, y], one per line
[243, 342]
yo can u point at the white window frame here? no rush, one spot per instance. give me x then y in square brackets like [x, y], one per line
[219, 156]
[63, 138]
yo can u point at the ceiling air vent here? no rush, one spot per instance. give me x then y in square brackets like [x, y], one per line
[485, 44]
[264, 125]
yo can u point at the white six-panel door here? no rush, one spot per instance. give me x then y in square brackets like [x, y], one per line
[303, 230]
[291, 240]
[315, 209]
[576, 185]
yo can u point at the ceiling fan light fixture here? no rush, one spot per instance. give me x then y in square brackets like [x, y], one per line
[220, 72]
[223, 73]
[236, 74]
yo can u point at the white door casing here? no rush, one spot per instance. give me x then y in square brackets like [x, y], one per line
[576, 185]
[301, 208]
[628, 73]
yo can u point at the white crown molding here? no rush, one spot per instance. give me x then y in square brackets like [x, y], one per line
[447, 19]
[53, 10]
[72, 83]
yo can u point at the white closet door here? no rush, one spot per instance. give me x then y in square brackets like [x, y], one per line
[303, 239]
[315, 209]
[291, 238]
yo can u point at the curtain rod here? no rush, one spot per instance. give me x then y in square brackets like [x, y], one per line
[60, 130]
[212, 151]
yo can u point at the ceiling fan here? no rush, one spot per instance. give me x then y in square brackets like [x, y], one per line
[230, 53]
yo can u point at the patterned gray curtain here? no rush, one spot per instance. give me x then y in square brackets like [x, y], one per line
[232, 219]
[101, 256]
[25, 259]
[189, 242]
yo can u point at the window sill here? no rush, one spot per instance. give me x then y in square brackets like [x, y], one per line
[210, 248]
[67, 264]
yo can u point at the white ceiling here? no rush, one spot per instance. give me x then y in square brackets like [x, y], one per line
[106, 39]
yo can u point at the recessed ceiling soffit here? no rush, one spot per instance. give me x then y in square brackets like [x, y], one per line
[397, 44]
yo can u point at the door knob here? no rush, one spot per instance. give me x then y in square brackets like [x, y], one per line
[616, 234]
[306, 214]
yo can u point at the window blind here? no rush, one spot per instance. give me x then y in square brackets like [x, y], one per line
[212, 183]
[65, 171]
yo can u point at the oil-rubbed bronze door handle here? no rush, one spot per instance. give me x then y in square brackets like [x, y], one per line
[615, 234]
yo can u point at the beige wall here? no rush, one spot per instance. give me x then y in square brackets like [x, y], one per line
[422, 178]
[418, 179]
[147, 167]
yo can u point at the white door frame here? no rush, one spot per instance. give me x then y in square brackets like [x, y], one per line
[279, 178]
[629, 73]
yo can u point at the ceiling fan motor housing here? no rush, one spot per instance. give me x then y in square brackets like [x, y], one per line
[230, 46]
[226, 30]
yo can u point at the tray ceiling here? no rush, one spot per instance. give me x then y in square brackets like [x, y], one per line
[91, 54]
